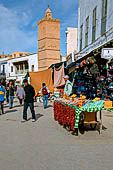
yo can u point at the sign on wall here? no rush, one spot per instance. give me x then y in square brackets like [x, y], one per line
[107, 53]
[70, 59]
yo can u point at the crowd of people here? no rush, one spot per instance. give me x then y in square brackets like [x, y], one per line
[24, 92]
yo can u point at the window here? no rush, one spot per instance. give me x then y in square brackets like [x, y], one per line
[81, 34]
[26, 66]
[11, 68]
[3, 68]
[21, 66]
[104, 16]
[32, 67]
[86, 33]
[16, 69]
[94, 24]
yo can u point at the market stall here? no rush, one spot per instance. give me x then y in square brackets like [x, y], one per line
[72, 112]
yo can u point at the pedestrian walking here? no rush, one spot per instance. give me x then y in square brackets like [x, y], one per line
[11, 94]
[20, 94]
[7, 94]
[45, 91]
[2, 98]
[28, 101]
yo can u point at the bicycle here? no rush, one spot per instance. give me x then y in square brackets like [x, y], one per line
[51, 97]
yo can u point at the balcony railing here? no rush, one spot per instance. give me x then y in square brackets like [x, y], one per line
[21, 71]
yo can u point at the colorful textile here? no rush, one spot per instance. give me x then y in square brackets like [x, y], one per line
[37, 78]
[94, 107]
[59, 76]
[89, 107]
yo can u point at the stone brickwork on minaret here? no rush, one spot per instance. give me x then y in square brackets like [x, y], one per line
[48, 41]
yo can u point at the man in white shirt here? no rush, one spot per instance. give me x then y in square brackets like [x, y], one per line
[68, 86]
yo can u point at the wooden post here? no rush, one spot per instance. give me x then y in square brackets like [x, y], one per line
[100, 122]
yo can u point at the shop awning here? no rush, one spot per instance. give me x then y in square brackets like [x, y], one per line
[72, 69]
[71, 65]
[58, 64]
[3, 63]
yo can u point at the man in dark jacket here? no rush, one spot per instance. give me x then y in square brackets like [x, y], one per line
[28, 101]
[11, 94]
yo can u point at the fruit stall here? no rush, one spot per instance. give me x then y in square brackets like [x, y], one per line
[71, 112]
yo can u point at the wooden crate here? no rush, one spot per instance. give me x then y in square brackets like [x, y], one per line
[90, 117]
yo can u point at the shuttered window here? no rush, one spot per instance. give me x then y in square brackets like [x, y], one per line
[86, 32]
[104, 16]
[81, 36]
[94, 24]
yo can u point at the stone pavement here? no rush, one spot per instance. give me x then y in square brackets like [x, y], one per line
[45, 145]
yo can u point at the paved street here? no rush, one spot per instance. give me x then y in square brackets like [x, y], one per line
[45, 145]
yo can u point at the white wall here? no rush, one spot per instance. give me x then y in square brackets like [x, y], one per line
[33, 60]
[86, 8]
[4, 60]
[71, 35]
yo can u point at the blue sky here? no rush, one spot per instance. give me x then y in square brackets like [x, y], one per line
[18, 22]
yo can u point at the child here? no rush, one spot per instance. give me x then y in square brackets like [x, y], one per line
[45, 91]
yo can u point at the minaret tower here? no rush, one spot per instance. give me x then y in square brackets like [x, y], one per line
[48, 41]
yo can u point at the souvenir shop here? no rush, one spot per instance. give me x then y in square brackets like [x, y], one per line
[92, 78]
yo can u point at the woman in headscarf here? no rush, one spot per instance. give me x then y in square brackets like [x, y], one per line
[20, 94]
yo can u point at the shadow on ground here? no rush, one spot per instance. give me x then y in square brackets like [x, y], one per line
[6, 106]
[90, 127]
[10, 111]
[109, 115]
[38, 116]
[49, 106]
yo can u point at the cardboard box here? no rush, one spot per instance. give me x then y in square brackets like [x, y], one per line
[108, 104]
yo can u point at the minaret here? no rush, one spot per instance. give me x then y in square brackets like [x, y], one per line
[48, 41]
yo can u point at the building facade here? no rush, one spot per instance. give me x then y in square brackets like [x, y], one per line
[48, 41]
[19, 54]
[20, 66]
[71, 42]
[3, 65]
[17, 65]
[95, 25]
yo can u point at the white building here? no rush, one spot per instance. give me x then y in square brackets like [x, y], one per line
[3, 67]
[18, 67]
[95, 25]
[71, 42]
[62, 58]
